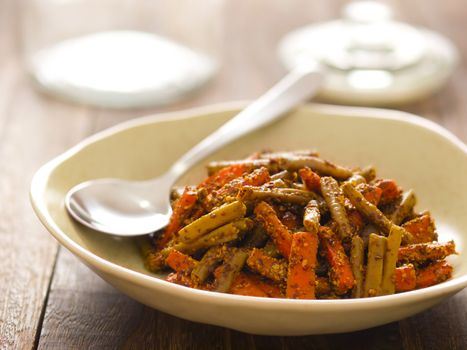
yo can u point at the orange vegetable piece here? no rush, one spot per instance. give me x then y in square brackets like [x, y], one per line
[421, 252]
[220, 178]
[371, 193]
[280, 235]
[311, 180]
[341, 275]
[390, 190]
[180, 278]
[248, 284]
[422, 229]
[180, 262]
[405, 278]
[267, 266]
[301, 276]
[181, 211]
[433, 274]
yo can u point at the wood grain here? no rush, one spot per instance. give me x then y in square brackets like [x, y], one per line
[49, 300]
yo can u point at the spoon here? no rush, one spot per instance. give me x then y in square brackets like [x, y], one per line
[133, 208]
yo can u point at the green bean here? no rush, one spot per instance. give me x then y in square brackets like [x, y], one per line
[405, 207]
[216, 218]
[284, 174]
[311, 217]
[371, 212]
[285, 195]
[356, 179]
[365, 233]
[369, 173]
[233, 263]
[226, 233]
[278, 183]
[335, 202]
[291, 163]
[214, 167]
[356, 260]
[390, 260]
[207, 264]
[374, 269]
[275, 155]
[321, 166]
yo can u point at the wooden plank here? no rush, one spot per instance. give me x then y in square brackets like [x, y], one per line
[442, 327]
[34, 129]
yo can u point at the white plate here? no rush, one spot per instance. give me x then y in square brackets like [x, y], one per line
[417, 153]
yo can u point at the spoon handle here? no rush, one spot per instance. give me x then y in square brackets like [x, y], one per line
[296, 87]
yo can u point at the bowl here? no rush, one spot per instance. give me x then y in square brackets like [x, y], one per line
[417, 153]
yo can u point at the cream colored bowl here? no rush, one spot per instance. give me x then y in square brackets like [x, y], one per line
[418, 153]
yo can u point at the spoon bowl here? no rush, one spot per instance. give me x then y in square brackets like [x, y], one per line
[93, 204]
[125, 208]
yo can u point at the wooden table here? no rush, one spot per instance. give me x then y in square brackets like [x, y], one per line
[51, 301]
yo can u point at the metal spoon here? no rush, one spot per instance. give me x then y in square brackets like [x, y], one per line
[127, 208]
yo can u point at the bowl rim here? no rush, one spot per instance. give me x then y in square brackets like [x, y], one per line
[39, 186]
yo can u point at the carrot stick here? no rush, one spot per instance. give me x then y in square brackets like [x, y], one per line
[267, 266]
[180, 262]
[257, 177]
[310, 179]
[224, 175]
[405, 278]
[390, 190]
[243, 284]
[301, 275]
[179, 278]
[248, 284]
[279, 233]
[356, 220]
[421, 252]
[341, 275]
[433, 274]
[181, 211]
[371, 193]
[422, 229]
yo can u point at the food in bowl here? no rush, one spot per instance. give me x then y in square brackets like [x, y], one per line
[293, 225]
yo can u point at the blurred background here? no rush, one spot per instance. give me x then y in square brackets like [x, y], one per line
[219, 50]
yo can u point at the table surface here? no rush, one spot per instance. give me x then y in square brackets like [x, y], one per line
[49, 300]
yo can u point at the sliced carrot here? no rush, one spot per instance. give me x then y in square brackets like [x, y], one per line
[371, 193]
[180, 262]
[181, 211]
[433, 274]
[248, 284]
[302, 264]
[280, 235]
[390, 190]
[180, 278]
[341, 275]
[422, 229]
[422, 252]
[405, 278]
[355, 220]
[244, 285]
[220, 178]
[311, 180]
[257, 177]
[267, 266]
